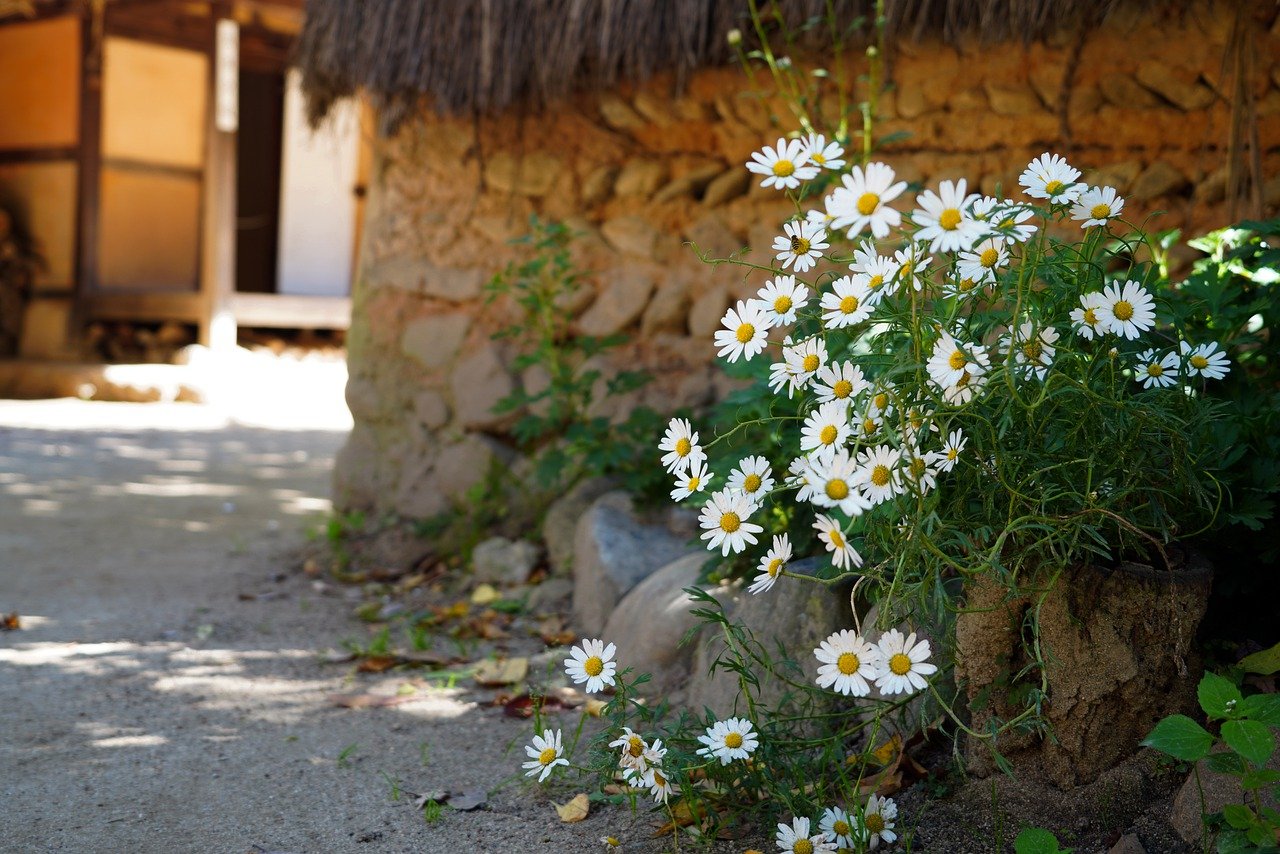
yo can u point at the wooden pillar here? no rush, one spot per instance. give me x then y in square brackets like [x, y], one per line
[89, 167]
[218, 244]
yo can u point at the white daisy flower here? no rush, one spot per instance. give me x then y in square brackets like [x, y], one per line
[912, 263]
[839, 827]
[876, 474]
[1085, 320]
[784, 165]
[781, 298]
[971, 381]
[944, 217]
[1002, 218]
[962, 288]
[826, 429]
[847, 662]
[878, 819]
[820, 217]
[1032, 351]
[843, 381]
[724, 521]
[832, 535]
[801, 477]
[728, 740]
[1126, 310]
[659, 785]
[882, 401]
[692, 480]
[745, 332]
[951, 450]
[835, 484]
[904, 663]
[800, 245]
[863, 200]
[752, 477]
[822, 153]
[864, 255]
[782, 375]
[545, 754]
[634, 751]
[806, 358]
[881, 277]
[1097, 206]
[795, 838]
[1050, 177]
[869, 424]
[919, 422]
[1156, 371]
[1205, 360]
[918, 471]
[949, 361]
[981, 263]
[592, 663]
[682, 446]
[848, 303]
[772, 564]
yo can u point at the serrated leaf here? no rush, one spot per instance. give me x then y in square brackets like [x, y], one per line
[1264, 663]
[1181, 738]
[1250, 739]
[1264, 708]
[1036, 840]
[1218, 697]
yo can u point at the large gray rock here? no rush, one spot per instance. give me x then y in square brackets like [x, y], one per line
[498, 560]
[478, 382]
[624, 298]
[614, 549]
[1218, 790]
[651, 620]
[434, 339]
[560, 524]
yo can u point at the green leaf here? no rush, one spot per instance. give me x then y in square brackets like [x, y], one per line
[1232, 841]
[1181, 738]
[1218, 697]
[1036, 840]
[1226, 762]
[1239, 816]
[1265, 662]
[1258, 779]
[1250, 739]
[1263, 708]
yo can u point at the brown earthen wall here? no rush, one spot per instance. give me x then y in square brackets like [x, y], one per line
[641, 172]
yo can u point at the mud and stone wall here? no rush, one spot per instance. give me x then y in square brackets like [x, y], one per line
[644, 171]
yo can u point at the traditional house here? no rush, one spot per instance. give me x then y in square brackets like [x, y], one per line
[155, 155]
[627, 120]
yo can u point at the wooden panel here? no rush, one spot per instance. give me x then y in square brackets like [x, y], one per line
[280, 311]
[153, 103]
[40, 83]
[186, 307]
[150, 231]
[42, 199]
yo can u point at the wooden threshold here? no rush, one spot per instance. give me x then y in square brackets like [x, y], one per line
[186, 307]
[288, 311]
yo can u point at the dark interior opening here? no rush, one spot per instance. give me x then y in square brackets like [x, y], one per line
[258, 147]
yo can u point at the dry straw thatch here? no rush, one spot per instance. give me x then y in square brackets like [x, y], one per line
[486, 55]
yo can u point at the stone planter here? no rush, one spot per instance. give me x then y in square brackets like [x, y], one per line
[1117, 643]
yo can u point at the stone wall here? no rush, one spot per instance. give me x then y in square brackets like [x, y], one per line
[643, 171]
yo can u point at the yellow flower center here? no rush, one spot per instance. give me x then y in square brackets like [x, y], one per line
[692, 485]
[1032, 350]
[957, 361]
[905, 270]
[899, 664]
[917, 467]
[849, 304]
[802, 846]
[635, 745]
[784, 168]
[964, 380]
[881, 400]
[953, 454]
[848, 663]
[989, 257]
[880, 475]
[658, 779]
[811, 363]
[828, 434]
[1100, 211]
[1054, 187]
[746, 332]
[867, 203]
[751, 483]
[729, 522]
[782, 304]
[869, 426]
[836, 539]
[837, 490]
[874, 822]
[593, 666]
[799, 245]
[775, 566]
[949, 219]
[967, 285]
[683, 447]
[1090, 318]
[547, 756]
[1123, 310]
[1155, 370]
[875, 281]
[1199, 362]
[816, 157]
[842, 389]
[840, 827]
[733, 740]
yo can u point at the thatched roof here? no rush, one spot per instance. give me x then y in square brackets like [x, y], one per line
[485, 55]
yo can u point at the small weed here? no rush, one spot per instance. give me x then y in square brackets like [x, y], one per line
[394, 784]
[432, 811]
[344, 758]
[422, 753]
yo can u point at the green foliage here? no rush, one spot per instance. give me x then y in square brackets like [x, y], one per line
[1242, 750]
[1265, 662]
[1035, 840]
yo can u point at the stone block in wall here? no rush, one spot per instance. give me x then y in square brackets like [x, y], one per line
[1045, 77]
[667, 309]
[1179, 86]
[1212, 188]
[640, 178]
[363, 399]
[692, 110]
[658, 110]
[727, 186]
[972, 98]
[690, 183]
[355, 485]
[434, 339]
[1119, 175]
[479, 380]
[625, 295]
[455, 284]
[1158, 179]
[431, 409]
[1121, 90]
[712, 237]
[1013, 99]
[706, 311]
[532, 174]
[597, 186]
[630, 235]
[618, 114]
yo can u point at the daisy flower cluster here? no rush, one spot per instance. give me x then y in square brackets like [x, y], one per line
[839, 830]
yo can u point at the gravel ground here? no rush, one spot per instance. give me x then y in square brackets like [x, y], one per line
[146, 705]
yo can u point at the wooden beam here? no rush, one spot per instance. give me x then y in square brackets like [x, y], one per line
[288, 311]
[218, 244]
[185, 307]
[89, 172]
[39, 155]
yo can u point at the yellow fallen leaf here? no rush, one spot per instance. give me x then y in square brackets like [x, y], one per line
[885, 752]
[574, 810]
[505, 671]
[484, 594]
[594, 707]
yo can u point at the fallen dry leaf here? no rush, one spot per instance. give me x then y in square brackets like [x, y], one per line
[484, 594]
[10, 622]
[595, 707]
[471, 799]
[437, 795]
[553, 632]
[574, 810]
[376, 663]
[506, 671]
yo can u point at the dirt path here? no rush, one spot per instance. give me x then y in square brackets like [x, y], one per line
[145, 706]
